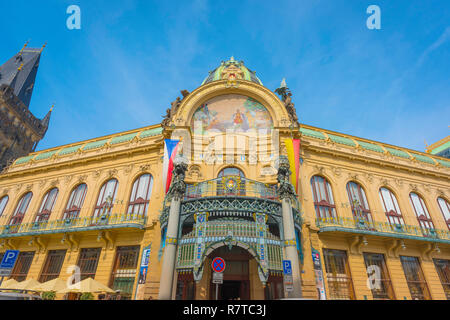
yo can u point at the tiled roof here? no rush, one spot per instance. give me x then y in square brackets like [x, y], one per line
[65, 150]
[341, 140]
[372, 146]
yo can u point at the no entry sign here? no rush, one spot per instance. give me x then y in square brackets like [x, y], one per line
[218, 264]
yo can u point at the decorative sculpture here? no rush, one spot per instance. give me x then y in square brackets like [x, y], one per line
[285, 188]
[178, 186]
[286, 95]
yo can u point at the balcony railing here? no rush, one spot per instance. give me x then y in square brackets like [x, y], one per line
[74, 225]
[231, 186]
[247, 232]
[360, 225]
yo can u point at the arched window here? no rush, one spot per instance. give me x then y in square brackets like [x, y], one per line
[421, 211]
[358, 201]
[227, 185]
[391, 208]
[3, 203]
[140, 195]
[75, 202]
[323, 198]
[445, 209]
[21, 209]
[106, 198]
[47, 205]
[230, 171]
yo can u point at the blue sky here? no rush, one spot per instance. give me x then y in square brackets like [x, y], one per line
[131, 59]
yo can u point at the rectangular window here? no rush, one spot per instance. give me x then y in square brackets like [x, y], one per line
[124, 270]
[415, 278]
[88, 261]
[53, 265]
[377, 271]
[22, 266]
[443, 269]
[338, 275]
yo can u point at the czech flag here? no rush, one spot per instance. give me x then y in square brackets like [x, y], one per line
[170, 151]
[293, 153]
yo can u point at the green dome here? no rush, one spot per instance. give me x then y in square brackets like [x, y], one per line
[246, 73]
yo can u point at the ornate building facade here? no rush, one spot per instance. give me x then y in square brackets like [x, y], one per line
[367, 220]
[20, 130]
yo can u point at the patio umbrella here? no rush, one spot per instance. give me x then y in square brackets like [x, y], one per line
[7, 283]
[25, 285]
[53, 285]
[87, 285]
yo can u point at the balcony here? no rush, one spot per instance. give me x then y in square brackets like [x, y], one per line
[74, 225]
[230, 231]
[384, 229]
[231, 196]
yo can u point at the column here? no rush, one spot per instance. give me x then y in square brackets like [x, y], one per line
[286, 194]
[176, 192]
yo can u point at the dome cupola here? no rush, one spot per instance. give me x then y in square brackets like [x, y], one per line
[233, 68]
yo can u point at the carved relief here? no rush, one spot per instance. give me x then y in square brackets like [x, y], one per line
[112, 173]
[336, 171]
[67, 179]
[144, 167]
[82, 178]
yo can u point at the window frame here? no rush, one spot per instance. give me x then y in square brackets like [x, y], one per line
[391, 215]
[325, 204]
[367, 215]
[71, 211]
[18, 216]
[52, 257]
[424, 221]
[447, 221]
[101, 197]
[4, 204]
[137, 202]
[45, 213]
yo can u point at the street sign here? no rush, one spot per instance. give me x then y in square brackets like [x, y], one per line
[9, 259]
[5, 272]
[287, 267]
[288, 282]
[217, 277]
[218, 264]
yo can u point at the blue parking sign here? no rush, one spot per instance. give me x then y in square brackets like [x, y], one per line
[287, 268]
[9, 259]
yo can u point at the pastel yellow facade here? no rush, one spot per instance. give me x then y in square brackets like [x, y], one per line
[374, 248]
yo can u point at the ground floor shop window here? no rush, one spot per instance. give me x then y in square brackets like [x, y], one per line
[443, 269]
[415, 278]
[124, 271]
[377, 270]
[22, 266]
[338, 275]
[185, 287]
[52, 265]
[88, 261]
[274, 288]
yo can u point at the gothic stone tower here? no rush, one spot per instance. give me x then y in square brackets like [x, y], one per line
[20, 130]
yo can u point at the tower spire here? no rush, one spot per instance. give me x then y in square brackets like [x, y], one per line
[20, 71]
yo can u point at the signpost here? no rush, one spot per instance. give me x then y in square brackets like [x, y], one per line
[218, 266]
[7, 263]
[287, 276]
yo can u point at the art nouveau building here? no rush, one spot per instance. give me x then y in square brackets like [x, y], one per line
[369, 220]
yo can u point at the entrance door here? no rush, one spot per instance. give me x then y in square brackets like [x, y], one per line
[236, 282]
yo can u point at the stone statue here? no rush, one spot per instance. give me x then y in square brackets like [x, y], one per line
[178, 186]
[166, 120]
[285, 188]
[286, 95]
[185, 93]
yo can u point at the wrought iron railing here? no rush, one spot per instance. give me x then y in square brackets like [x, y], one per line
[75, 224]
[231, 186]
[383, 227]
[215, 231]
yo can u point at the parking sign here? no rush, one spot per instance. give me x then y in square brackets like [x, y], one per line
[9, 259]
[287, 268]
